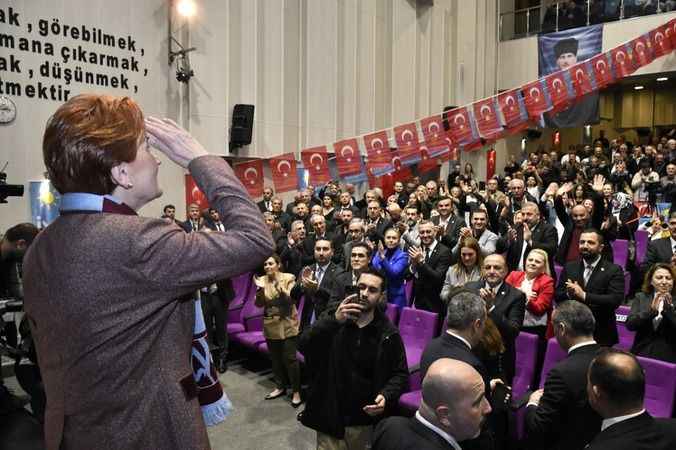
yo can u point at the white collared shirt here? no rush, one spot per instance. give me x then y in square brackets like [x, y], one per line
[673, 244]
[461, 338]
[613, 420]
[447, 437]
[496, 290]
[581, 344]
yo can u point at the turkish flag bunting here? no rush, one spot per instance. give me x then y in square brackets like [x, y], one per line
[406, 137]
[659, 38]
[536, 99]
[284, 173]
[427, 162]
[560, 89]
[622, 61]
[433, 130]
[513, 108]
[462, 127]
[316, 161]
[487, 118]
[348, 158]
[603, 71]
[193, 194]
[378, 141]
[582, 75]
[642, 50]
[401, 172]
[490, 164]
[671, 32]
[250, 173]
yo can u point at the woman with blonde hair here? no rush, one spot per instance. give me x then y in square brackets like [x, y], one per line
[467, 269]
[280, 327]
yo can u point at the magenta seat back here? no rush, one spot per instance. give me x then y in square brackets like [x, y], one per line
[625, 336]
[620, 252]
[392, 313]
[244, 289]
[660, 386]
[417, 326]
[642, 239]
[553, 355]
[526, 356]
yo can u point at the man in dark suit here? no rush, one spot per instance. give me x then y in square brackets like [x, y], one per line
[318, 223]
[283, 218]
[429, 264]
[616, 389]
[449, 224]
[506, 307]
[266, 203]
[214, 222]
[453, 409]
[293, 253]
[360, 256]
[663, 250]
[533, 233]
[376, 224]
[356, 234]
[317, 283]
[559, 417]
[194, 221]
[595, 282]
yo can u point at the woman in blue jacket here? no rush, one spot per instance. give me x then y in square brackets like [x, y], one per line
[393, 261]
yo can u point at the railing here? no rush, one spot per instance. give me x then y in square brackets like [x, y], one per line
[572, 14]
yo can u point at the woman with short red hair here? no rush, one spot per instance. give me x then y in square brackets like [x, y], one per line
[105, 288]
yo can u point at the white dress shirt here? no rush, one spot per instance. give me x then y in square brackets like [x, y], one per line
[581, 344]
[613, 420]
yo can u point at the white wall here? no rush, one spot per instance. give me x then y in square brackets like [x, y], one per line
[146, 22]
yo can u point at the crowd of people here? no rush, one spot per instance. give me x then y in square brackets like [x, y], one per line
[528, 251]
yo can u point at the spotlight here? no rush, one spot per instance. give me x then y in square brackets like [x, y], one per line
[186, 8]
[662, 79]
[638, 88]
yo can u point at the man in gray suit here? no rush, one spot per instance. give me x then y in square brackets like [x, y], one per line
[479, 231]
[663, 250]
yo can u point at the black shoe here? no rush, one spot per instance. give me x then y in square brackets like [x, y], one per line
[221, 366]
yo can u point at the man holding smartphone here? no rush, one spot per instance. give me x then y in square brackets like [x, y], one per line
[361, 367]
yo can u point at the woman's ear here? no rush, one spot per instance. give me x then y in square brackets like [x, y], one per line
[120, 176]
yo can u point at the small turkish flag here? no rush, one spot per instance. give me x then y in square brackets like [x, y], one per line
[284, 173]
[671, 32]
[406, 137]
[316, 161]
[490, 164]
[603, 72]
[622, 60]
[661, 43]
[433, 130]
[462, 126]
[193, 194]
[582, 75]
[487, 119]
[250, 173]
[642, 50]
[536, 99]
[513, 108]
[560, 89]
[348, 158]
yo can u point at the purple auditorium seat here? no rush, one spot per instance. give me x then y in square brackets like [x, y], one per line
[244, 288]
[526, 357]
[660, 386]
[409, 402]
[392, 313]
[626, 337]
[250, 320]
[620, 252]
[642, 239]
[553, 355]
[416, 328]
[253, 335]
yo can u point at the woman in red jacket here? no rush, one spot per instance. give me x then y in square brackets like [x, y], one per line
[538, 285]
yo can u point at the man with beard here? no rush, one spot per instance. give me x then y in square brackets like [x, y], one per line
[429, 264]
[266, 203]
[596, 282]
[448, 224]
[487, 239]
[194, 221]
[360, 256]
[360, 367]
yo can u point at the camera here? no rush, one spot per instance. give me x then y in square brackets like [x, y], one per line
[8, 190]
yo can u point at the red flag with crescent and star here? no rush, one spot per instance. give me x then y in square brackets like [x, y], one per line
[348, 158]
[623, 62]
[193, 194]
[462, 127]
[642, 50]
[427, 162]
[671, 32]
[284, 173]
[661, 43]
[536, 99]
[513, 109]
[603, 72]
[490, 164]
[582, 75]
[487, 119]
[250, 173]
[316, 161]
[406, 137]
[433, 130]
[560, 89]
[378, 148]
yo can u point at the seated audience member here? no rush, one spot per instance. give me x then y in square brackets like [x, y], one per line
[616, 390]
[487, 239]
[317, 282]
[532, 233]
[293, 253]
[428, 264]
[537, 284]
[663, 250]
[559, 417]
[506, 307]
[595, 282]
[393, 262]
[467, 269]
[652, 315]
[453, 409]
[360, 367]
[280, 327]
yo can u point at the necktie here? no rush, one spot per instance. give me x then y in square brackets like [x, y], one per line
[427, 254]
[319, 274]
[587, 273]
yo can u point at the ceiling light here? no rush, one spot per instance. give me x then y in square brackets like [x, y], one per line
[662, 79]
[638, 88]
[186, 8]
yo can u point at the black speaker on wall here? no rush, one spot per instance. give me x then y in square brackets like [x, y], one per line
[242, 125]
